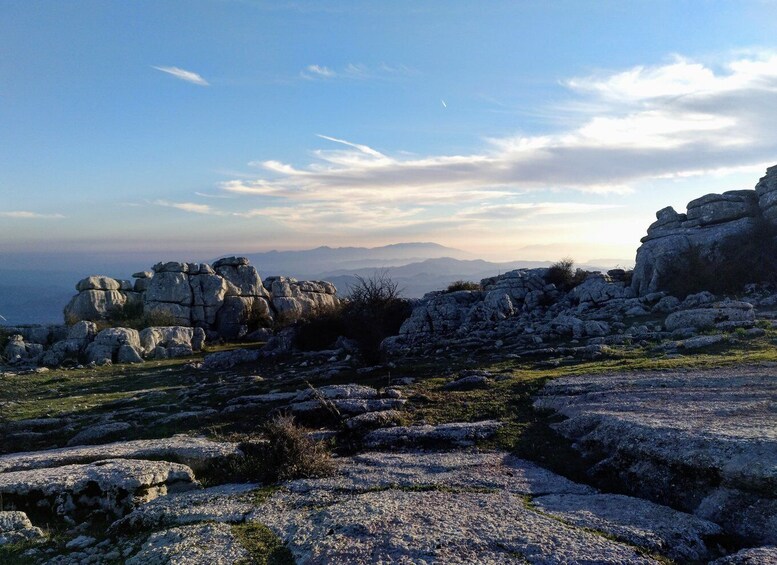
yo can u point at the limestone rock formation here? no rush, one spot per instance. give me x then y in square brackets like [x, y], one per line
[227, 299]
[718, 232]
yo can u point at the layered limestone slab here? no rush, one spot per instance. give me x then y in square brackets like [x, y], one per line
[112, 486]
[702, 440]
[189, 450]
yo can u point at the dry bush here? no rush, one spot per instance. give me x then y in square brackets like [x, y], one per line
[564, 275]
[287, 454]
[291, 454]
[374, 311]
[456, 286]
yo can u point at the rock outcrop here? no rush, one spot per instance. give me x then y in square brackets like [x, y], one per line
[711, 234]
[227, 299]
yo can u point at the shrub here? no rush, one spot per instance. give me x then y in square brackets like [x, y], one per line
[563, 274]
[287, 454]
[291, 454]
[321, 331]
[374, 311]
[455, 286]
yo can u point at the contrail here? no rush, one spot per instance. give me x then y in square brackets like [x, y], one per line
[444, 105]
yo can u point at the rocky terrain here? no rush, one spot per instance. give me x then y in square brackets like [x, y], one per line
[542, 416]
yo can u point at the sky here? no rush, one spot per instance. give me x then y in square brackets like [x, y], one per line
[512, 130]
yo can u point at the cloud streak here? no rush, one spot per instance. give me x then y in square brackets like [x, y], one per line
[356, 71]
[27, 215]
[183, 74]
[191, 207]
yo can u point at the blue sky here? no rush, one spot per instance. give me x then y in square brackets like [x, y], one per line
[514, 130]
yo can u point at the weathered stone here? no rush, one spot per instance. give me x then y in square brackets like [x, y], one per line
[750, 556]
[196, 544]
[460, 434]
[657, 528]
[111, 486]
[705, 441]
[192, 451]
[98, 283]
[16, 527]
[706, 318]
[99, 432]
[225, 503]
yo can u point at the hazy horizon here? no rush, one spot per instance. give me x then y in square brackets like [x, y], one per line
[512, 131]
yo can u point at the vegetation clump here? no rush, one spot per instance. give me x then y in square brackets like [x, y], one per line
[563, 274]
[374, 311]
[286, 453]
[456, 286]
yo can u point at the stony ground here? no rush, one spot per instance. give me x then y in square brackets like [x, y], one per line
[446, 460]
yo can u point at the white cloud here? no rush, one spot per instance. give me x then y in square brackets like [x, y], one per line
[26, 215]
[183, 74]
[677, 119]
[357, 71]
[318, 71]
[191, 207]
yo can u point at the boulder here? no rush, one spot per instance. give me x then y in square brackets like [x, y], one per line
[713, 233]
[98, 283]
[15, 527]
[706, 318]
[17, 351]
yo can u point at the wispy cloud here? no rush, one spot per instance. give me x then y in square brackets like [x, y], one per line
[183, 74]
[26, 215]
[318, 71]
[356, 71]
[191, 207]
[677, 119]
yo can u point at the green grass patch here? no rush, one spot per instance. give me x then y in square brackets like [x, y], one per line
[263, 545]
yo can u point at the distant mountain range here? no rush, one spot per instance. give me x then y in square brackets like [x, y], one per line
[312, 262]
[38, 296]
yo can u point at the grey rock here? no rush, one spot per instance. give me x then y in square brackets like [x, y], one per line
[113, 486]
[706, 441]
[16, 527]
[99, 432]
[398, 526]
[196, 544]
[459, 434]
[751, 556]
[195, 452]
[703, 341]
[706, 318]
[98, 283]
[228, 359]
[224, 503]
[128, 354]
[468, 383]
[658, 528]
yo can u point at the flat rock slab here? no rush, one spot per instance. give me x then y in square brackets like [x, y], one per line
[198, 544]
[457, 433]
[113, 486]
[682, 437]
[658, 528]
[454, 470]
[192, 451]
[224, 503]
[460, 507]
[395, 526]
